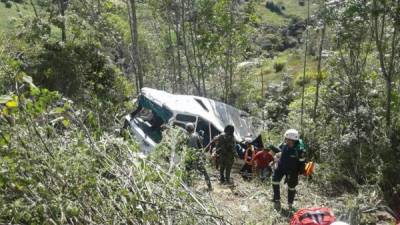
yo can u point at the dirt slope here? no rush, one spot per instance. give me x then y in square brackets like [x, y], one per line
[249, 202]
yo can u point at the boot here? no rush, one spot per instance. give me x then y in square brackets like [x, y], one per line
[277, 205]
[277, 194]
[291, 195]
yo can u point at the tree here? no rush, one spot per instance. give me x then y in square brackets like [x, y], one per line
[135, 38]
[319, 69]
[62, 5]
[385, 16]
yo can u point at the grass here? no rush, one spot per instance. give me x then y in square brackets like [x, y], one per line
[268, 17]
[292, 9]
[294, 65]
[8, 15]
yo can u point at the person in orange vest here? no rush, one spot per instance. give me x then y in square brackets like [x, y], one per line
[248, 168]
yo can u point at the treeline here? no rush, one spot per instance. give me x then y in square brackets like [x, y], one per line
[184, 46]
[350, 111]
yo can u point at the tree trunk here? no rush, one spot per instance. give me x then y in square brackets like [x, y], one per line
[262, 83]
[305, 66]
[388, 101]
[196, 53]
[178, 57]
[135, 40]
[34, 8]
[230, 51]
[185, 48]
[172, 54]
[61, 6]
[387, 73]
[319, 77]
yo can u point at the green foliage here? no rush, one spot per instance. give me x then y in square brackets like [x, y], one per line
[274, 7]
[59, 162]
[62, 174]
[173, 143]
[81, 68]
[279, 66]
[310, 78]
[277, 104]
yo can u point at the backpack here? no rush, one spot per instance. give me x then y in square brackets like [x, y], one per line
[309, 169]
[313, 216]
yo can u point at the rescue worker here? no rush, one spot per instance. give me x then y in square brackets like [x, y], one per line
[225, 150]
[248, 167]
[194, 140]
[194, 157]
[290, 164]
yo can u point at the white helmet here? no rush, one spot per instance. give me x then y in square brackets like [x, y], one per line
[339, 223]
[247, 140]
[292, 134]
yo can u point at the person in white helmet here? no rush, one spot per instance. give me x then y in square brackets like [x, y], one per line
[290, 164]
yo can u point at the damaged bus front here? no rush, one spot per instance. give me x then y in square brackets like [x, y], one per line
[157, 108]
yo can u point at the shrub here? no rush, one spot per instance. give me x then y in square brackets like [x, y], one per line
[279, 66]
[274, 7]
[63, 175]
[8, 4]
[300, 81]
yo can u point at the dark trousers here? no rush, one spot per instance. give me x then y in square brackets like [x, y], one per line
[203, 170]
[292, 179]
[247, 171]
[247, 168]
[225, 166]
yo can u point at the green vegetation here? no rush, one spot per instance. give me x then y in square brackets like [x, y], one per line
[70, 69]
[8, 16]
[61, 171]
[289, 9]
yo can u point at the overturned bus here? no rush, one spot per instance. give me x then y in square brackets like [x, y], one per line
[156, 109]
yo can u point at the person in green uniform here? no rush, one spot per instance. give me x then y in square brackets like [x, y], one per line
[194, 158]
[290, 165]
[225, 150]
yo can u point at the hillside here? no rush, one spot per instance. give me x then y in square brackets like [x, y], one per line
[70, 71]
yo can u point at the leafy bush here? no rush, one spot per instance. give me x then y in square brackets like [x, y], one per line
[310, 76]
[79, 71]
[390, 178]
[53, 170]
[279, 66]
[276, 8]
[278, 98]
